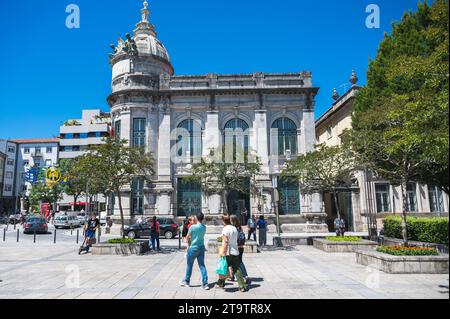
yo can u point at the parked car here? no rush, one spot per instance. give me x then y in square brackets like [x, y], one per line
[82, 218]
[15, 218]
[102, 218]
[35, 224]
[66, 222]
[168, 229]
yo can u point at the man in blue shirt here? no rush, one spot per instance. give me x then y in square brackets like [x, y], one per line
[196, 250]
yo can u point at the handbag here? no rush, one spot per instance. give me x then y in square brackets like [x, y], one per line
[222, 267]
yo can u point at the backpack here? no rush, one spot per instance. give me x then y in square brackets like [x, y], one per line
[241, 238]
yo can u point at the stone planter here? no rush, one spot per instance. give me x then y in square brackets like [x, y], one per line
[214, 247]
[403, 264]
[330, 246]
[120, 249]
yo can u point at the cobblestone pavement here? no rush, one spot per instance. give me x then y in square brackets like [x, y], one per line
[57, 271]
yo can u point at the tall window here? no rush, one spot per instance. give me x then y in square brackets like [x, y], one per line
[189, 198]
[383, 198]
[411, 197]
[284, 137]
[117, 129]
[137, 196]
[139, 132]
[289, 197]
[189, 138]
[436, 202]
[236, 140]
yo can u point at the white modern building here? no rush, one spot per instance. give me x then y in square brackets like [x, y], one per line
[76, 136]
[37, 152]
[270, 114]
[8, 162]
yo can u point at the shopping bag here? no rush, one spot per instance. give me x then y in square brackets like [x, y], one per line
[222, 267]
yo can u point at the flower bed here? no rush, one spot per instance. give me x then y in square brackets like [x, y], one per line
[344, 238]
[408, 251]
[122, 241]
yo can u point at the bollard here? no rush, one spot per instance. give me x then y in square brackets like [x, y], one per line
[4, 234]
[99, 234]
[71, 230]
[179, 239]
[14, 224]
[34, 238]
[78, 235]
[17, 235]
[54, 236]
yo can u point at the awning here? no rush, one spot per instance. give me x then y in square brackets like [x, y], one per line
[77, 203]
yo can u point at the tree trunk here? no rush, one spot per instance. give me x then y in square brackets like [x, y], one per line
[122, 220]
[336, 203]
[404, 215]
[225, 201]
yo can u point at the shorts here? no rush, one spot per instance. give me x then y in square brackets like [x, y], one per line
[90, 233]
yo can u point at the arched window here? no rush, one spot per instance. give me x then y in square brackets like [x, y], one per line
[284, 136]
[236, 140]
[189, 138]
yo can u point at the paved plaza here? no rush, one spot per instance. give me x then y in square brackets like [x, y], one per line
[46, 270]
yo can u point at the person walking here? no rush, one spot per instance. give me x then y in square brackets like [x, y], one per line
[196, 250]
[185, 229]
[251, 225]
[262, 231]
[154, 233]
[241, 248]
[339, 226]
[230, 250]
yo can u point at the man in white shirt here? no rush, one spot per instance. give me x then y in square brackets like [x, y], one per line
[230, 250]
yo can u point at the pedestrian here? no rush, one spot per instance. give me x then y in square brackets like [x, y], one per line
[262, 231]
[89, 233]
[196, 250]
[185, 230]
[154, 233]
[251, 225]
[230, 250]
[244, 216]
[241, 248]
[339, 226]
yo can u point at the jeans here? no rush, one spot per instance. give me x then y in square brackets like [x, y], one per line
[262, 236]
[154, 238]
[235, 264]
[242, 266]
[196, 252]
[252, 231]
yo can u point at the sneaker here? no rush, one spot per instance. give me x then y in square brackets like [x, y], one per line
[206, 287]
[217, 286]
[243, 289]
[184, 284]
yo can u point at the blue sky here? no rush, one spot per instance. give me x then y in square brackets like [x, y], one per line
[50, 73]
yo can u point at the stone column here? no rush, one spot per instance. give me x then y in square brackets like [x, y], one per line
[163, 185]
[212, 140]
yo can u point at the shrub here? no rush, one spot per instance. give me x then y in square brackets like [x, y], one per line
[408, 251]
[429, 230]
[122, 241]
[345, 238]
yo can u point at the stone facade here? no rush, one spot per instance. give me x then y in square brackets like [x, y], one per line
[148, 103]
[370, 196]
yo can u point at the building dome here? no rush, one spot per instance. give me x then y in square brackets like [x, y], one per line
[148, 53]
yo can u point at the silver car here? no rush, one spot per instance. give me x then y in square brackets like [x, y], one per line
[66, 222]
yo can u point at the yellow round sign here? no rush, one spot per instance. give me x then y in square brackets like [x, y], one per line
[53, 175]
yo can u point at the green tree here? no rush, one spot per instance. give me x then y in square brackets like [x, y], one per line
[217, 175]
[111, 166]
[44, 193]
[325, 170]
[400, 123]
[74, 179]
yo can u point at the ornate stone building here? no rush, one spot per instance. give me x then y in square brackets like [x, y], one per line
[183, 117]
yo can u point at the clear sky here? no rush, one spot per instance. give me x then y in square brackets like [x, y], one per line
[49, 73]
